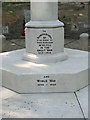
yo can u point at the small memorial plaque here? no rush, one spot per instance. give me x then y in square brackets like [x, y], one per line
[45, 43]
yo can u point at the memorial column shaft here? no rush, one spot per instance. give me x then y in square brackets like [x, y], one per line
[44, 34]
[44, 11]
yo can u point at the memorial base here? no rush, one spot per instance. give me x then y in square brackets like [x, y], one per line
[26, 77]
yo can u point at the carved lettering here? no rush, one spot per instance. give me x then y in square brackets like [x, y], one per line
[46, 81]
[45, 43]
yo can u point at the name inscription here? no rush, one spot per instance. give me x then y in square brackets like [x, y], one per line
[46, 81]
[45, 43]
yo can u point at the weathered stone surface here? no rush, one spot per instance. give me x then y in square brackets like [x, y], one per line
[56, 105]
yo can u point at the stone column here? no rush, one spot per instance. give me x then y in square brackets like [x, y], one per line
[84, 41]
[3, 43]
[44, 34]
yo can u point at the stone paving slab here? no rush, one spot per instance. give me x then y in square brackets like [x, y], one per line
[71, 43]
[6, 93]
[15, 44]
[82, 96]
[52, 105]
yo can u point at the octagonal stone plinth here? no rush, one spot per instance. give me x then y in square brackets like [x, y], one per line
[26, 77]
